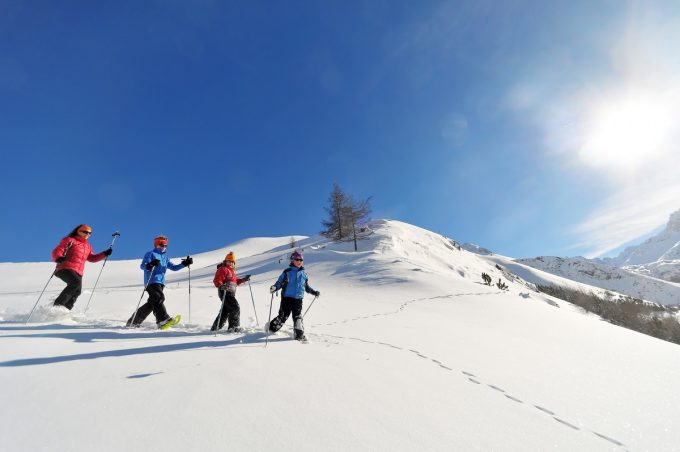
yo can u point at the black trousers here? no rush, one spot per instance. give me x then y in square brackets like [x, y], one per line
[230, 310]
[155, 303]
[289, 306]
[74, 286]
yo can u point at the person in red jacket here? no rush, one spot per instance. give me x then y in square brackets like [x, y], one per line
[70, 256]
[226, 281]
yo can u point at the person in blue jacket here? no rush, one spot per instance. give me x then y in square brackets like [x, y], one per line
[293, 284]
[155, 264]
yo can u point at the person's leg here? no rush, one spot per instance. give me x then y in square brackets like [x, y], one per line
[157, 300]
[284, 311]
[219, 322]
[74, 286]
[142, 313]
[233, 311]
[298, 326]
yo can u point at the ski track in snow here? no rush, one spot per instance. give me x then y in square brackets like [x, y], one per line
[472, 378]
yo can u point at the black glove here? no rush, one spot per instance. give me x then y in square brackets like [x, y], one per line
[317, 293]
[152, 264]
[246, 278]
[108, 251]
[59, 260]
[188, 261]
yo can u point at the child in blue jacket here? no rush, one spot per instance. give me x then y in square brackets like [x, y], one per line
[155, 264]
[293, 283]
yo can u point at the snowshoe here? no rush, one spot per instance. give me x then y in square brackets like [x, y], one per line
[170, 322]
[267, 330]
[51, 313]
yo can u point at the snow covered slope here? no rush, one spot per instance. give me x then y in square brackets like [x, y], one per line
[658, 256]
[649, 271]
[408, 352]
[663, 246]
[611, 278]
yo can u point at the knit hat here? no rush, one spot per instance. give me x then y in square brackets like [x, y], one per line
[297, 255]
[160, 240]
[230, 257]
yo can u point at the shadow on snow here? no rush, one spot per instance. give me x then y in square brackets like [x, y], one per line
[253, 338]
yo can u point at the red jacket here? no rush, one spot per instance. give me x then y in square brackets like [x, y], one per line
[80, 251]
[226, 276]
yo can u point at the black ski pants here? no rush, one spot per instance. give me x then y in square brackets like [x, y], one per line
[289, 306]
[155, 303]
[230, 310]
[74, 286]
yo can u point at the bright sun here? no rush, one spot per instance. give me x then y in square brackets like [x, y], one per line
[626, 134]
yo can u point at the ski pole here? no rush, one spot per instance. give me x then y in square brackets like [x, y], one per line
[134, 316]
[115, 236]
[271, 303]
[309, 307]
[257, 322]
[68, 247]
[41, 294]
[219, 317]
[189, 292]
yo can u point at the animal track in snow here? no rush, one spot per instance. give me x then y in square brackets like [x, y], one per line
[471, 377]
[474, 379]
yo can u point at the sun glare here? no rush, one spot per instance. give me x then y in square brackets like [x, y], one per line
[627, 134]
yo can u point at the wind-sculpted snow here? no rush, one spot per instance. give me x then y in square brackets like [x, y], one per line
[408, 351]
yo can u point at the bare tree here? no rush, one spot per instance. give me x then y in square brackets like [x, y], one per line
[344, 215]
[356, 212]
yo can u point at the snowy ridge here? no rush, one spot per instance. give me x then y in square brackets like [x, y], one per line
[476, 249]
[662, 269]
[649, 271]
[663, 246]
[610, 278]
[658, 256]
[408, 351]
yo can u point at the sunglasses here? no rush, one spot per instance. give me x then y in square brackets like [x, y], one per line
[85, 232]
[162, 245]
[298, 260]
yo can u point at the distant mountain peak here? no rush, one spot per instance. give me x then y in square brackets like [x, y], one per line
[674, 222]
[658, 256]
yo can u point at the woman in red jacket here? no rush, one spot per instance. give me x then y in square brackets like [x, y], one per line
[226, 281]
[70, 256]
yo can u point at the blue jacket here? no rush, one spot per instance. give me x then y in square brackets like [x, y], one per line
[294, 282]
[160, 269]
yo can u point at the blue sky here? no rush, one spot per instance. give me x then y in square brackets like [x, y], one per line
[530, 128]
